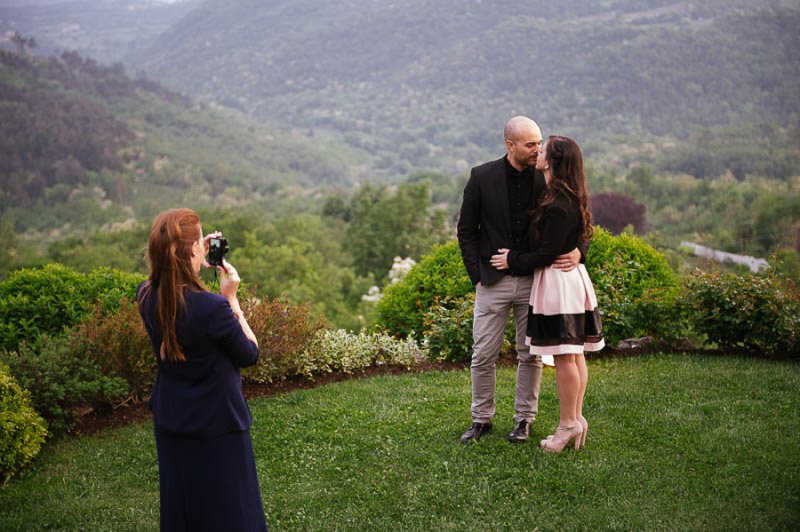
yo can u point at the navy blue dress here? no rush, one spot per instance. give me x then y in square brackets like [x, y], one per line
[207, 471]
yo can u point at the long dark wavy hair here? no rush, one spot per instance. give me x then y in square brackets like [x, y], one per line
[169, 252]
[565, 159]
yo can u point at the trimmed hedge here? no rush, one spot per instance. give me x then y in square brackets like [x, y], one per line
[434, 300]
[22, 430]
[623, 268]
[48, 300]
[439, 275]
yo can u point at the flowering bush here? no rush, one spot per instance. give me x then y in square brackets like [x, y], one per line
[400, 268]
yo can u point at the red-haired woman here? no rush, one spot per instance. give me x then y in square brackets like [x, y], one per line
[563, 319]
[207, 471]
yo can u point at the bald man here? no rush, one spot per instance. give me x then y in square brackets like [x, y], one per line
[496, 212]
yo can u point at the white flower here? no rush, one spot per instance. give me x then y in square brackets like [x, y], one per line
[373, 295]
[400, 268]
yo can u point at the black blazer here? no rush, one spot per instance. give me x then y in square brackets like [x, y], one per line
[201, 397]
[484, 225]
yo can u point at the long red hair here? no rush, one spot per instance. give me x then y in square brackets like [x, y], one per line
[169, 252]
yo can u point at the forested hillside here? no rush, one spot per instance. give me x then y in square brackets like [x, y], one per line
[83, 145]
[420, 83]
[89, 155]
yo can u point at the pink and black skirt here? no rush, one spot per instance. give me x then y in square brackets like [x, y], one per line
[562, 316]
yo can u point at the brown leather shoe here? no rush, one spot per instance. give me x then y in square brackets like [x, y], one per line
[476, 431]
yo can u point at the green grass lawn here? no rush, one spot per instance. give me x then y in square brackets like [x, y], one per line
[676, 442]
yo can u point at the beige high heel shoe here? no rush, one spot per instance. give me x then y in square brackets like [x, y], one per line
[585, 425]
[562, 437]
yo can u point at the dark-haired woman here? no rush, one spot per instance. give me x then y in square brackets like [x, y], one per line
[563, 319]
[207, 472]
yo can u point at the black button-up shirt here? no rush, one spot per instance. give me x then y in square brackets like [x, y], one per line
[520, 189]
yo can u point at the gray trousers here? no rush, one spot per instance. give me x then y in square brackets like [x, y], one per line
[492, 305]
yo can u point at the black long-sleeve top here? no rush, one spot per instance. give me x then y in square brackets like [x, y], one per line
[559, 233]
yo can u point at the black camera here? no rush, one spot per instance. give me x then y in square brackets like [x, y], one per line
[217, 248]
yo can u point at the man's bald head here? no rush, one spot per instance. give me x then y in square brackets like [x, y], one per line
[523, 140]
[520, 125]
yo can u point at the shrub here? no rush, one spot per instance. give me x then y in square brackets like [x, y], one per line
[448, 329]
[59, 379]
[747, 311]
[283, 330]
[438, 275]
[118, 343]
[50, 299]
[662, 314]
[390, 350]
[622, 269]
[22, 430]
[340, 350]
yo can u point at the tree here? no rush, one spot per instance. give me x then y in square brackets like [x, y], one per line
[22, 42]
[387, 224]
[293, 265]
[616, 211]
[336, 207]
[19, 41]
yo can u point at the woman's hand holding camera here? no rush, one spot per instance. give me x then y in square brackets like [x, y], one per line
[228, 280]
[228, 285]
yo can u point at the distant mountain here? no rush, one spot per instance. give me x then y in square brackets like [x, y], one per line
[424, 83]
[104, 30]
[82, 145]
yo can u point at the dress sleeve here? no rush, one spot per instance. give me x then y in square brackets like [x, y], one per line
[225, 329]
[555, 231]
